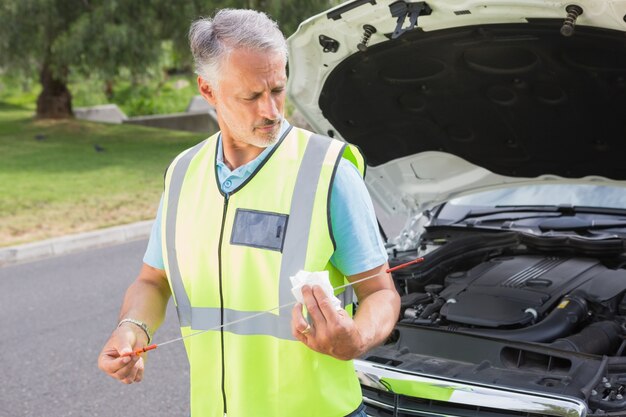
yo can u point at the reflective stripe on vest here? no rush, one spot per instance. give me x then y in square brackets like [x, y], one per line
[183, 306]
[294, 253]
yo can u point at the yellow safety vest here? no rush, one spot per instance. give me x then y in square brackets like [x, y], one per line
[229, 257]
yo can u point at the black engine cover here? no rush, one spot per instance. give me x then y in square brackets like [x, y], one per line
[514, 291]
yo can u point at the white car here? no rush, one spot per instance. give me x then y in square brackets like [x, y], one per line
[495, 135]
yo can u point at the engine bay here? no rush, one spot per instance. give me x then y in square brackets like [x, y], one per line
[507, 307]
[503, 284]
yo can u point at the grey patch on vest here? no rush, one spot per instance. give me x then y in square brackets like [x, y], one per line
[259, 229]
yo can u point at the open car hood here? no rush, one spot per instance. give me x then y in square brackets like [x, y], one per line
[475, 96]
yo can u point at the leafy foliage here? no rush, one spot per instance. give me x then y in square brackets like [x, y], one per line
[58, 40]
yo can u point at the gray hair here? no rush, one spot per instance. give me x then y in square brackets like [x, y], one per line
[211, 40]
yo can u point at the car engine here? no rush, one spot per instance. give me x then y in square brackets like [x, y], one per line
[517, 287]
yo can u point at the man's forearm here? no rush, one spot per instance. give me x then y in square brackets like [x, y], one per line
[376, 316]
[146, 299]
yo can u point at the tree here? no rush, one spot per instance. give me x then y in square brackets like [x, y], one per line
[288, 13]
[56, 37]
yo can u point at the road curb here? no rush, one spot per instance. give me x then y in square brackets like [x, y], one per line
[74, 243]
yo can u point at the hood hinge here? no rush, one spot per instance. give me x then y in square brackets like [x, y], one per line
[401, 9]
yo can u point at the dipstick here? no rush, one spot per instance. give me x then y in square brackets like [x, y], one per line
[155, 345]
[140, 350]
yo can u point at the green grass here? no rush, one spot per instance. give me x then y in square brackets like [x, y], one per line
[59, 184]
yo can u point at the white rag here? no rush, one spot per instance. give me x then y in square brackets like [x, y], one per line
[313, 278]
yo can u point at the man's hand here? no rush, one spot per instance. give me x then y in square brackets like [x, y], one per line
[332, 332]
[145, 300]
[124, 339]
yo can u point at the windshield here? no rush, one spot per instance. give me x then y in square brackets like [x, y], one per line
[548, 195]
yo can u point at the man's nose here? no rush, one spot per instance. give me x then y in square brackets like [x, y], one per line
[268, 108]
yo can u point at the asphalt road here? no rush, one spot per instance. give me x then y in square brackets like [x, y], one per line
[55, 316]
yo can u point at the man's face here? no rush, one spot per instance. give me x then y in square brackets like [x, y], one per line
[251, 97]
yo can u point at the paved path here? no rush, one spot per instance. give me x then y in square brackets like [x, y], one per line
[55, 316]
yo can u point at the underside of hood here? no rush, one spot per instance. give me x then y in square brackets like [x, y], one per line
[520, 100]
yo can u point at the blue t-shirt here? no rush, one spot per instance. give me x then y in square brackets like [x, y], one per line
[359, 246]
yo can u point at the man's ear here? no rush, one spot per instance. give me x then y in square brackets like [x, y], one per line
[207, 91]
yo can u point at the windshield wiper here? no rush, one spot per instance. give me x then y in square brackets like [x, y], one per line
[561, 210]
[492, 211]
[577, 224]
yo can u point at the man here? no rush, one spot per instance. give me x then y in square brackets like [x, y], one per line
[240, 214]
